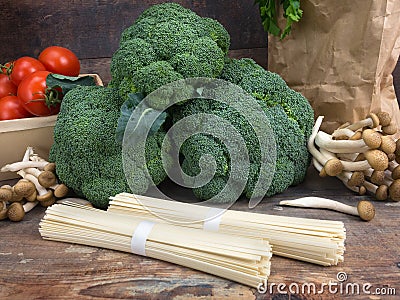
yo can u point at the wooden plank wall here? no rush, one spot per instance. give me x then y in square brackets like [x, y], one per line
[92, 28]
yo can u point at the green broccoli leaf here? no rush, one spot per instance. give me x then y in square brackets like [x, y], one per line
[67, 83]
[126, 111]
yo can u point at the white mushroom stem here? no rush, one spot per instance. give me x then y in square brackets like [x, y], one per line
[343, 132]
[318, 202]
[28, 153]
[372, 121]
[35, 157]
[324, 140]
[347, 156]
[17, 166]
[337, 168]
[28, 206]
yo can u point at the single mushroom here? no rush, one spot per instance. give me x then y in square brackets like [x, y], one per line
[32, 197]
[372, 121]
[16, 212]
[24, 188]
[332, 166]
[60, 190]
[394, 190]
[5, 194]
[376, 177]
[380, 192]
[364, 209]
[3, 210]
[47, 203]
[45, 178]
[372, 138]
[396, 173]
[390, 129]
[43, 193]
[388, 145]
[384, 118]
[391, 156]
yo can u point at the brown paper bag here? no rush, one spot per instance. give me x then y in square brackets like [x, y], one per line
[341, 56]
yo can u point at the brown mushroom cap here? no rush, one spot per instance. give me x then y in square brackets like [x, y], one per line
[48, 202]
[5, 194]
[384, 118]
[356, 179]
[378, 177]
[47, 179]
[397, 151]
[394, 190]
[50, 167]
[61, 191]
[360, 157]
[366, 210]
[375, 120]
[391, 156]
[396, 173]
[390, 129]
[48, 196]
[24, 188]
[3, 212]
[322, 173]
[333, 167]
[388, 145]
[372, 138]
[381, 192]
[377, 159]
[362, 190]
[16, 212]
[32, 197]
[356, 136]
[15, 196]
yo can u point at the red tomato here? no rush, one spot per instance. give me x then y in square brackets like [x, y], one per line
[11, 108]
[6, 86]
[23, 67]
[60, 60]
[36, 97]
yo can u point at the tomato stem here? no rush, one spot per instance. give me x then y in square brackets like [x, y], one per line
[51, 97]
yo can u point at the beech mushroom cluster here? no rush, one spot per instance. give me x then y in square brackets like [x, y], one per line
[364, 155]
[38, 185]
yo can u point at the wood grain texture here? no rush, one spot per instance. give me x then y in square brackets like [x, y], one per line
[53, 270]
[92, 29]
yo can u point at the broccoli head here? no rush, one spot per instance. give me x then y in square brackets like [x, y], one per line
[168, 42]
[88, 158]
[290, 117]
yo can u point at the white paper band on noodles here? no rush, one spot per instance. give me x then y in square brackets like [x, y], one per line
[213, 219]
[139, 237]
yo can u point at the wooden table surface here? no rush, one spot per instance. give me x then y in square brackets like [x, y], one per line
[31, 268]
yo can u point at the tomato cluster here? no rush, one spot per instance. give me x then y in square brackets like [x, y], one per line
[23, 89]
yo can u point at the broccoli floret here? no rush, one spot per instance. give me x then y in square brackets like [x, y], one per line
[176, 44]
[88, 158]
[289, 115]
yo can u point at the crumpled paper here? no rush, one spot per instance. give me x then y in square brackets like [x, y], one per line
[341, 56]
